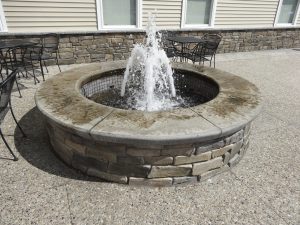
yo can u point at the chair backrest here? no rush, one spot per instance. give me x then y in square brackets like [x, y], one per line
[50, 43]
[210, 48]
[213, 37]
[6, 89]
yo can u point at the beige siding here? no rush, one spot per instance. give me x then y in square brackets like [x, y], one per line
[50, 15]
[298, 21]
[168, 12]
[245, 13]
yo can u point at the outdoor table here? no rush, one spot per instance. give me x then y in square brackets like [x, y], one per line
[184, 42]
[8, 52]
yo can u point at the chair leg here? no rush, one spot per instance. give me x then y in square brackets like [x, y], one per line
[42, 70]
[45, 66]
[214, 61]
[57, 62]
[13, 115]
[17, 83]
[5, 142]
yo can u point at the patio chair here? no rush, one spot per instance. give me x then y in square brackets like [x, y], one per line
[213, 41]
[5, 105]
[169, 47]
[9, 63]
[197, 53]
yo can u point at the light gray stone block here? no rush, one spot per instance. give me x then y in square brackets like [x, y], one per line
[179, 160]
[156, 182]
[107, 176]
[170, 171]
[202, 167]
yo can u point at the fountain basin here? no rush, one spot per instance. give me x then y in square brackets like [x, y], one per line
[148, 148]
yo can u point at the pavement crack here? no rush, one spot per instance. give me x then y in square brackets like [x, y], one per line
[69, 207]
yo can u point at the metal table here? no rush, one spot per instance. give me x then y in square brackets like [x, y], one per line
[184, 42]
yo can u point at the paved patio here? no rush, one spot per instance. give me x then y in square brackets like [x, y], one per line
[264, 188]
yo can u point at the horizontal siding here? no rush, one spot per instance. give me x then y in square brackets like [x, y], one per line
[245, 13]
[298, 21]
[168, 12]
[50, 15]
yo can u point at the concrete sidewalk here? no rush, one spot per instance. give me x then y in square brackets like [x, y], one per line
[264, 188]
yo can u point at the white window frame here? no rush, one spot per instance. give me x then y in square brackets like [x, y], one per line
[294, 23]
[100, 18]
[211, 18]
[3, 25]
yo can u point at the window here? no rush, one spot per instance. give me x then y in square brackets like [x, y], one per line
[287, 12]
[198, 13]
[114, 14]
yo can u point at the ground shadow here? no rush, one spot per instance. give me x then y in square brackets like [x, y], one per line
[36, 148]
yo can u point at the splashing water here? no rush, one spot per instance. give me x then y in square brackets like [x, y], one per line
[148, 80]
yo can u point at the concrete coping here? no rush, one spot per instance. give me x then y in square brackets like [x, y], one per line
[61, 101]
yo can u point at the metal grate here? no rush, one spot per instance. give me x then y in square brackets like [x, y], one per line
[199, 88]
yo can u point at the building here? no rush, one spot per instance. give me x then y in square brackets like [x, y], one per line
[245, 24]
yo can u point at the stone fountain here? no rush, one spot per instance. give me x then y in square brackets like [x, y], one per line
[108, 121]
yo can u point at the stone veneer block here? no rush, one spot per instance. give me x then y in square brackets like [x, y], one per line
[214, 172]
[221, 151]
[170, 171]
[236, 149]
[186, 151]
[233, 161]
[159, 160]
[179, 160]
[143, 152]
[81, 149]
[202, 167]
[209, 147]
[226, 158]
[184, 180]
[65, 153]
[101, 155]
[234, 138]
[107, 176]
[129, 170]
[138, 160]
[156, 182]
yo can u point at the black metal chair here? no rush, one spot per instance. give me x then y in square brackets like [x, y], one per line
[213, 41]
[197, 54]
[9, 63]
[5, 105]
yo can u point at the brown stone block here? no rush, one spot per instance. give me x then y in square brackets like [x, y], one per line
[202, 167]
[170, 171]
[157, 182]
[234, 161]
[179, 160]
[65, 153]
[236, 148]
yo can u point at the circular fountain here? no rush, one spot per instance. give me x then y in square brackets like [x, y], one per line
[188, 124]
[179, 145]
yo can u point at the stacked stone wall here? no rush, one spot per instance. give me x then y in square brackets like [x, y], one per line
[101, 47]
[155, 165]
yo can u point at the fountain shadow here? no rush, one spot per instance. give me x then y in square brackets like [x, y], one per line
[37, 150]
